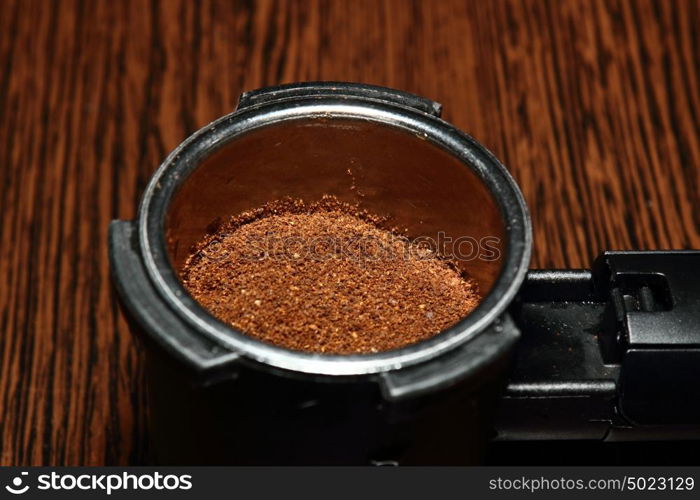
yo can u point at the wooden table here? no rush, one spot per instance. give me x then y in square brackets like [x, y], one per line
[594, 107]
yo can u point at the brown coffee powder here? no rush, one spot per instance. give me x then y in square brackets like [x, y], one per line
[325, 278]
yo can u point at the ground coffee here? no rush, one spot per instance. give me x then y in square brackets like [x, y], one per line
[325, 277]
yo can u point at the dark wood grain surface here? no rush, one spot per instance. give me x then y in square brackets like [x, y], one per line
[594, 107]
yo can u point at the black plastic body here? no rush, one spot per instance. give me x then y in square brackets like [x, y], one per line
[258, 418]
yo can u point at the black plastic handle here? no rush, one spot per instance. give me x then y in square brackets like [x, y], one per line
[612, 353]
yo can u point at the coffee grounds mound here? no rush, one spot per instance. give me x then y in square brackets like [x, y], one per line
[325, 277]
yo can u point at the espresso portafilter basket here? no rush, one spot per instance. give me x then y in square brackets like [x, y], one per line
[611, 353]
